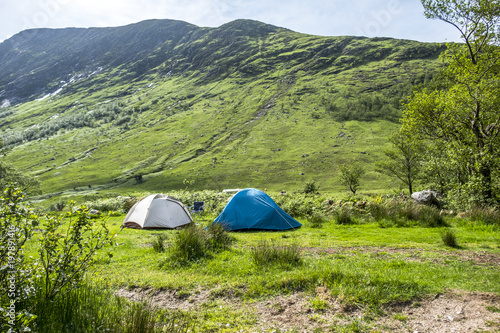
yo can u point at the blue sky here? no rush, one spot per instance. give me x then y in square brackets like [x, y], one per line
[372, 18]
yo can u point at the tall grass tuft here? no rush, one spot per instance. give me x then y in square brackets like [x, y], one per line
[486, 215]
[345, 216]
[449, 238]
[268, 253]
[406, 213]
[188, 245]
[217, 238]
[94, 309]
[195, 242]
[159, 243]
[317, 220]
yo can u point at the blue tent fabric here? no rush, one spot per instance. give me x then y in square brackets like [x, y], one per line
[253, 209]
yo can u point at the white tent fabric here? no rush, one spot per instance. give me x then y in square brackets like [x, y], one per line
[157, 211]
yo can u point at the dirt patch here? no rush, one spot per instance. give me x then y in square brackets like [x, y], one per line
[478, 258]
[451, 312]
[167, 299]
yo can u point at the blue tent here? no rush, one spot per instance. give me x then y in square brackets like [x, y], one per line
[253, 209]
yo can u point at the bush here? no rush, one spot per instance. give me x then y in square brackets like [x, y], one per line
[405, 213]
[188, 245]
[265, 254]
[217, 238]
[310, 188]
[64, 257]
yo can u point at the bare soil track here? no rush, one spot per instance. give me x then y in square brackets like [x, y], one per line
[455, 311]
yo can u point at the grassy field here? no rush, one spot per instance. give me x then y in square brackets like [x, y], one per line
[366, 271]
[358, 264]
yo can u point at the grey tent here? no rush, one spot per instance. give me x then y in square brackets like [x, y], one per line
[157, 211]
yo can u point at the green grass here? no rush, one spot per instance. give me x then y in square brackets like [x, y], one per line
[362, 266]
[93, 308]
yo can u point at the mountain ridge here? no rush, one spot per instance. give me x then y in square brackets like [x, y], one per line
[204, 104]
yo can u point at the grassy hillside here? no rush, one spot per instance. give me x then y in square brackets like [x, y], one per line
[242, 105]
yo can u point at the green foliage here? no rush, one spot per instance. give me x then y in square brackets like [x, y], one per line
[486, 215]
[9, 174]
[464, 153]
[403, 160]
[310, 187]
[350, 174]
[217, 238]
[449, 238]
[317, 219]
[269, 253]
[66, 255]
[17, 273]
[299, 204]
[406, 213]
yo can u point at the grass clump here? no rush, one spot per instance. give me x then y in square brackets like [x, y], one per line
[405, 214]
[319, 304]
[345, 215]
[195, 242]
[268, 253]
[317, 220]
[159, 243]
[91, 308]
[449, 238]
[486, 215]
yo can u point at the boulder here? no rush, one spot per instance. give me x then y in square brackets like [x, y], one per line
[428, 197]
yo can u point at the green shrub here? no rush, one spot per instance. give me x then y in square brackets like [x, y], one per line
[310, 187]
[268, 253]
[405, 213]
[430, 217]
[188, 244]
[66, 249]
[449, 238]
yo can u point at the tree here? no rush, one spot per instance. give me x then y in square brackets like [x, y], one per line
[461, 116]
[404, 160]
[350, 175]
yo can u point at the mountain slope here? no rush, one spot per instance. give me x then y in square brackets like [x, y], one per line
[161, 104]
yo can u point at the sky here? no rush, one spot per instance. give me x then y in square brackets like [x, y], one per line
[402, 19]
